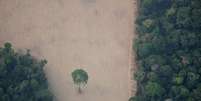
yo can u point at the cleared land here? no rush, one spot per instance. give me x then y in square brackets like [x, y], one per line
[95, 35]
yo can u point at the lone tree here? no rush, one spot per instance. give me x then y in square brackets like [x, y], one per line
[80, 78]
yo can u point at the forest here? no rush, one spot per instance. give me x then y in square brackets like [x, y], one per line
[168, 50]
[22, 76]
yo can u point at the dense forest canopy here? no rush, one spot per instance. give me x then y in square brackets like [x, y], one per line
[168, 50]
[22, 77]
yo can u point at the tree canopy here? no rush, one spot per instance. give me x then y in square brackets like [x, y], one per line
[22, 77]
[80, 77]
[168, 50]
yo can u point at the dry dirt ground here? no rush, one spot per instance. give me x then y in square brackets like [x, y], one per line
[95, 35]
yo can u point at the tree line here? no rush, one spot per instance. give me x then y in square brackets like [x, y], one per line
[22, 77]
[168, 49]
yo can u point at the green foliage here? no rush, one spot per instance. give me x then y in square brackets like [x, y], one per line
[154, 89]
[80, 77]
[22, 77]
[133, 99]
[178, 80]
[139, 76]
[168, 50]
[148, 23]
[170, 12]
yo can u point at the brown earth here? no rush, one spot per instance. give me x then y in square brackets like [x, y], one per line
[95, 35]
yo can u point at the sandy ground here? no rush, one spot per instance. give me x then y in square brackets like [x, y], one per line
[95, 35]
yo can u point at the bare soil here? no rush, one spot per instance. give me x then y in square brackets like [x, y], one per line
[95, 35]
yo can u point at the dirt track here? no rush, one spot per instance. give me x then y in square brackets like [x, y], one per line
[95, 35]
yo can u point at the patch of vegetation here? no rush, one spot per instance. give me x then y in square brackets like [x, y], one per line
[80, 78]
[168, 50]
[22, 77]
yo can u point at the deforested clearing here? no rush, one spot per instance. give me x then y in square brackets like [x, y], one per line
[95, 35]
